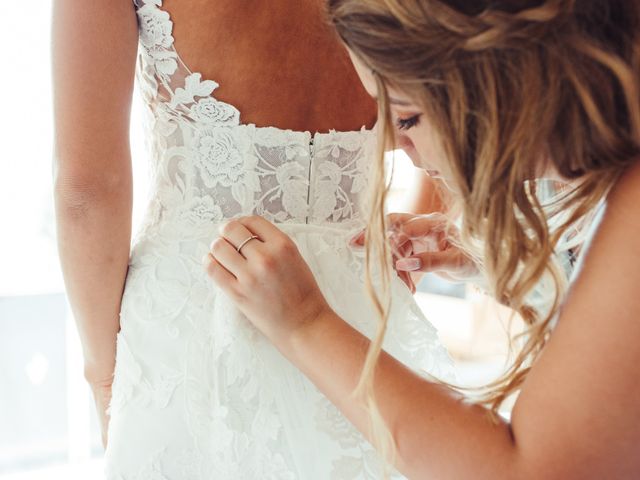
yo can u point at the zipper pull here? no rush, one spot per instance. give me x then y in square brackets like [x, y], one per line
[311, 147]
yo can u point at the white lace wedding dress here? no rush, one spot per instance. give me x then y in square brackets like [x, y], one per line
[198, 392]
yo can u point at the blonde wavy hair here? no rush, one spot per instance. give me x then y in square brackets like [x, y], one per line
[511, 87]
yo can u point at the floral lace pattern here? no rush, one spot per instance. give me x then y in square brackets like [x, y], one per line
[198, 392]
[207, 158]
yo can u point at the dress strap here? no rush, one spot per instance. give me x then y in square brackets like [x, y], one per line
[166, 80]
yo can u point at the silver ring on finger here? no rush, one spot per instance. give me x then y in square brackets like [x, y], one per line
[239, 247]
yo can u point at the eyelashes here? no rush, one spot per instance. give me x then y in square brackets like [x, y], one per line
[407, 123]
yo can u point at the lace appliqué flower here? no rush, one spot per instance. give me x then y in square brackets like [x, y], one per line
[194, 87]
[201, 210]
[295, 189]
[212, 112]
[156, 37]
[225, 160]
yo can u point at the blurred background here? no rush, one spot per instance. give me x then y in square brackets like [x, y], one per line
[48, 428]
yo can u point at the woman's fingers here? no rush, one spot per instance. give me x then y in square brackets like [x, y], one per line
[237, 235]
[423, 226]
[262, 228]
[406, 226]
[395, 219]
[445, 260]
[404, 276]
[358, 239]
[273, 287]
[227, 256]
[219, 274]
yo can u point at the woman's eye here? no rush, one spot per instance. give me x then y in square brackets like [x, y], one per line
[407, 123]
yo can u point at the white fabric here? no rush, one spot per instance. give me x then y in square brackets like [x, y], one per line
[199, 393]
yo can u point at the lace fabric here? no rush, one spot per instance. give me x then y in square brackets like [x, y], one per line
[198, 392]
[214, 168]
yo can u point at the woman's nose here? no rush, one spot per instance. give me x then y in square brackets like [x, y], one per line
[403, 141]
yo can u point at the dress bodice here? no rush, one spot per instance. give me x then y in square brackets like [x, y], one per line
[208, 166]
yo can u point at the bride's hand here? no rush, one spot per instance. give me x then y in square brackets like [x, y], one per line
[102, 398]
[426, 243]
[268, 279]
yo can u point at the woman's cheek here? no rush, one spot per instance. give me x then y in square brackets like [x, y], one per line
[429, 149]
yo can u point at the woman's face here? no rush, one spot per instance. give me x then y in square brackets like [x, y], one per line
[412, 129]
[417, 138]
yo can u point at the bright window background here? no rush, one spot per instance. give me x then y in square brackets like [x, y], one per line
[47, 424]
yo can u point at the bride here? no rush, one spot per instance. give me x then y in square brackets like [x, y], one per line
[232, 94]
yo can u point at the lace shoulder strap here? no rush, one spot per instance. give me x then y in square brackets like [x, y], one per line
[164, 78]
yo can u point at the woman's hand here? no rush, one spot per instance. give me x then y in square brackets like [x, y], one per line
[425, 243]
[268, 279]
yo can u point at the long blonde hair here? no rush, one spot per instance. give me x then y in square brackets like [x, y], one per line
[507, 85]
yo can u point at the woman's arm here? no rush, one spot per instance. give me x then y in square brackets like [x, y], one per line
[578, 415]
[94, 52]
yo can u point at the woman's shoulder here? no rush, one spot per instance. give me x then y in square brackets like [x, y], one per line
[625, 194]
[620, 208]
[590, 360]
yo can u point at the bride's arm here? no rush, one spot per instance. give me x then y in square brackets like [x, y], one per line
[94, 51]
[578, 415]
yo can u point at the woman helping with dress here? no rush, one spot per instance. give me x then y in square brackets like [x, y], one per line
[492, 96]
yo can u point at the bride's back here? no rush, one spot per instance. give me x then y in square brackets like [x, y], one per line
[278, 62]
